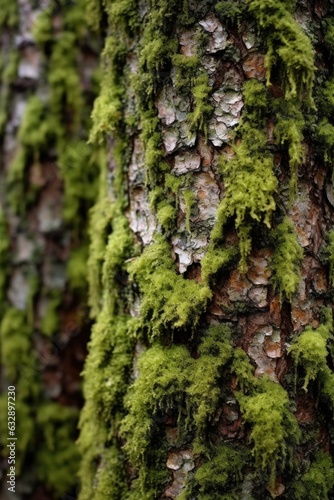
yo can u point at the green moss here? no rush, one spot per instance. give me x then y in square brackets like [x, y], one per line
[221, 473]
[101, 215]
[108, 107]
[286, 259]
[274, 428]
[228, 10]
[243, 370]
[329, 36]
[110, 476]
[288, 130]
[37, 132]
[248, 176]
[166, 215]
[50, 320]
[287, 44]
[15, 336]
[186, 69]
[161, 386]
[329, 250]
[204, 390]
[318, 481]
[37, 128]
[216, 259]
[19, 366]
[79, 172]
[325, 133]
[250, 185]
[169, 301]
[64, 79]
[4, 258]
[108, 367]
[57, 458]
[9, 16]
[202, 107]
[10, 69]
[309, 350]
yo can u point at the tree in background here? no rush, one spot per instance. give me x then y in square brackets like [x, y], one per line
[210, 261]
[49, 181]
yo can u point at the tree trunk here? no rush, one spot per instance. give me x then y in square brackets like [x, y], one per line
[210, 263]
[48, 183]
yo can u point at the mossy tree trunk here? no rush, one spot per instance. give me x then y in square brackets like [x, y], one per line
[209, 372]
[210, 262]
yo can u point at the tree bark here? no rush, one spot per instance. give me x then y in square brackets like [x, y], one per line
[210, 263]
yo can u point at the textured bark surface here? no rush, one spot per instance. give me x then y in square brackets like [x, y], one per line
[211, 254]
[220, 160]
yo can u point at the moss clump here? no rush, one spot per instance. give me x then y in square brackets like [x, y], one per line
[15, 334]
[166, 215]
[37, 132]
[287, 44]
[286, 259]
[80, 174]
[57, 458]
[310, 351]
[248, 176]
[77, 268]
[108, 107]
[169, 302]
[171, 381]
[216, 259]
[50, 321]
[101, 215]
[161, 386]
[250, 185]
[274, 427]
[204, 392]
[202, 107]
[318, 481]
[329, 251]
[9, 16]
[108, 366]
[228, 10]
[4, 258]
[37, 129]
[329, 36]
[221, 473]
[288, 130]
[20, 370]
